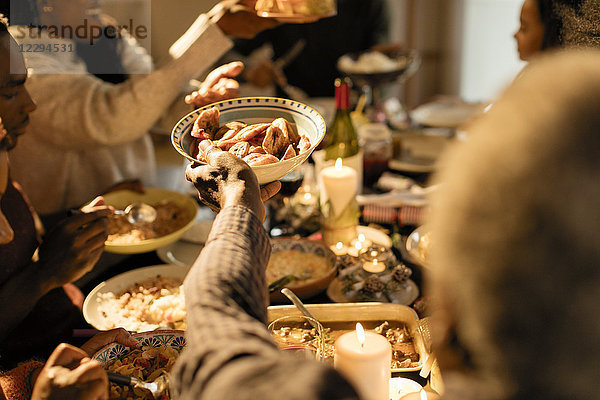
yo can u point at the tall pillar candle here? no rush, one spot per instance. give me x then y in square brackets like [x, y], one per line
[338, 203]
[364, 359]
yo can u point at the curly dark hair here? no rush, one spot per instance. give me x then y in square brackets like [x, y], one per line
[570, 23]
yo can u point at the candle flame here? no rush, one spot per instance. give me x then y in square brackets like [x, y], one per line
[361, 237]
[358, 245]
[423, 394]
[374, 261]
[360, 334]
[339, 245]
[338, 163]
[307, 196]
[373, 253]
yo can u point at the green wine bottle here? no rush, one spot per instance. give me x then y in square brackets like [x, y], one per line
[342, 140]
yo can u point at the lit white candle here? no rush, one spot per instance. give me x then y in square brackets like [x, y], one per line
[358, 244]
[374, 266]
[338, 186]
[364, 359]
[339, 249]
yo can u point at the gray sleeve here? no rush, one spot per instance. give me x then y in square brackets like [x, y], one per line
[229, 353]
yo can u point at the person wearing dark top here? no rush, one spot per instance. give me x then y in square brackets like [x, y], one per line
[358, 26]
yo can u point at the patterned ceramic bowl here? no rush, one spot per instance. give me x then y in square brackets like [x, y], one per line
[114, 351]
[295, 249]
[253, 110]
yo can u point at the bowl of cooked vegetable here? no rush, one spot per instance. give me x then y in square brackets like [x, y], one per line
[272, 135]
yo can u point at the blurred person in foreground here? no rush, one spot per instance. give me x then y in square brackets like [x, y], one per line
[98, 101]
[68, 374]
[39, 306]
[549, 24]
[229, 353]
[516, 309]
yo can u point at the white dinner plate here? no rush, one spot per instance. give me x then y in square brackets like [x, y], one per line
[181, 253]
[446, 112]
[419, 165]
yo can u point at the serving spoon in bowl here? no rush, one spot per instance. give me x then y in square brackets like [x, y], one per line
[158, 388]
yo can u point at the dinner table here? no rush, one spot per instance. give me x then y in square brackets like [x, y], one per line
[397, 230]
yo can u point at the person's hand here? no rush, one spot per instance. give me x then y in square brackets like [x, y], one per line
[239, 19]
[73, 247]
[217, 86]
[227, 180]
[101, 339]
[70, 375]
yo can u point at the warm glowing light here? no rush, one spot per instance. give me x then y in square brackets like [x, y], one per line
[374, 262]
[360, 334]
[339, 245]
[358, 245]
[361, 237]
[307, 196]
[338, 163]
[423, 395]
[373, 253]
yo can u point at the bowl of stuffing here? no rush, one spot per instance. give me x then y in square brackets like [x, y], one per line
[273, 136]
[175, 214]
[304, 266]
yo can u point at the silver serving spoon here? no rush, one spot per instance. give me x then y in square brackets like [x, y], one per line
[138, 213]
[159, 387]
[299, 305]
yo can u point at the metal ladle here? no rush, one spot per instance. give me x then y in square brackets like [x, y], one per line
[159, 387]
[138, 213]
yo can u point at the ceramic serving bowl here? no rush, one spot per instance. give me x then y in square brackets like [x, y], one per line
[122, 198]
[114, 351]
[317, 283]
[118, 283]
[253, 110]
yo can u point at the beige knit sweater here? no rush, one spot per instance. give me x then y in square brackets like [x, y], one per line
[86, 134]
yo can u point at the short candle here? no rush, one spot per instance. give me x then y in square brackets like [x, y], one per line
[364, 359]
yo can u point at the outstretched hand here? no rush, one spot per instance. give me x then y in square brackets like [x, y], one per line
[227, 180]
[217, 86]
[101, 339]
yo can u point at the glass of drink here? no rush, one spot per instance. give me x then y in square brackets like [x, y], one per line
[299, 335]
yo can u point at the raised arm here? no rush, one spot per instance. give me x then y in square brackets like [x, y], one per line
[230, 354]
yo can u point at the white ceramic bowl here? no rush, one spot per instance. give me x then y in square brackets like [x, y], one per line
[121, 198]
[253, 110]
[120, 282]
